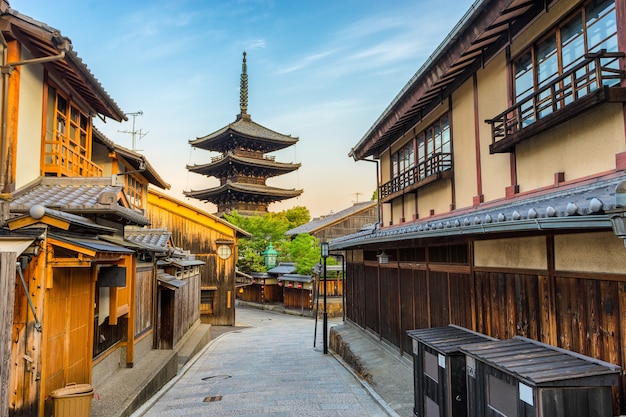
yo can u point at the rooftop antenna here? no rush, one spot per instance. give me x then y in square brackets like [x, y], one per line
[357, 194]
[134, 132]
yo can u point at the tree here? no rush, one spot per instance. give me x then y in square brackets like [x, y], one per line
[271, 228]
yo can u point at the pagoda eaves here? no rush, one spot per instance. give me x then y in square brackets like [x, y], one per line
[226, 165]
[244, 134]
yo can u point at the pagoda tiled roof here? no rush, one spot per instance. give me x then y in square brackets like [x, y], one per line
[247, 130]
[265, 192]
[230, 159]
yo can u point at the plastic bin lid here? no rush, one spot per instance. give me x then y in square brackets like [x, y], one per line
[72, 389]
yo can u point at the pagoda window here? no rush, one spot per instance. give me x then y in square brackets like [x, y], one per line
[67, 141]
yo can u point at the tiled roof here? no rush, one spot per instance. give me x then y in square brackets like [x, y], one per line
[43, 40]
[580, 206]
[145, 236]
[243, 188]
[245, 128]
[296, 278]
[230, 159]
[325, 221]
[76, 195]
[283, 268]
[75, 221]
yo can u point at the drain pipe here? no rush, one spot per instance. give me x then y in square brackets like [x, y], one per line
[377, 188]
[63, 45]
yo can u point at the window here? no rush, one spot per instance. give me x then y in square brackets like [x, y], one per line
[67, 141]
[134, 191]
[434, 149]
[428, 154]
[591, 29]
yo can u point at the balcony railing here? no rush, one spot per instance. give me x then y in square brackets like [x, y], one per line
[63, 160]
[422, 173]
[576, 86]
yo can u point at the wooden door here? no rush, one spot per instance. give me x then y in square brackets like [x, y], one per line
[66, 329]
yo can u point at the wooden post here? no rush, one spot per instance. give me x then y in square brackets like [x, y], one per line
[7, 297]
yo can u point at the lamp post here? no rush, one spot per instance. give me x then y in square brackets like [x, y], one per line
[324, 248]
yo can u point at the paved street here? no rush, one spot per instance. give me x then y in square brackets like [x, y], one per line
[266, 366]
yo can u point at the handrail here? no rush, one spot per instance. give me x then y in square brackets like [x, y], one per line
[436, 163]
[61, 160]
[562, 91]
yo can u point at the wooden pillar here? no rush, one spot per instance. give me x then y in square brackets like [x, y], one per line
[7, 296]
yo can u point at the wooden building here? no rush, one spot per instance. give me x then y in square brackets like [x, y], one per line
[84, 298]
[298, 291]
[345, 222]
[501, 164]
[243, 166]
[213, 241]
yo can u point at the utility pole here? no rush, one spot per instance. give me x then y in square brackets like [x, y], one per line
[134, 132]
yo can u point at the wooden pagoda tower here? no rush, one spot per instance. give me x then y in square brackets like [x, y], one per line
[243, 166]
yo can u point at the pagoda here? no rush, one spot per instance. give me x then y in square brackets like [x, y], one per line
[243, 166]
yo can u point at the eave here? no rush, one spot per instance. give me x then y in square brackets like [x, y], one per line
[485, 29]
[42, 40]
[242, 164]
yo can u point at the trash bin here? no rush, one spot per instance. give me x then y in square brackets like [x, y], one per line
[73, 400]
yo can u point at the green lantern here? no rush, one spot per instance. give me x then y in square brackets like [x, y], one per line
[270, 256]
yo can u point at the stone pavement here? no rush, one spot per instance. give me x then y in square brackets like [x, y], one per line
[267, 365]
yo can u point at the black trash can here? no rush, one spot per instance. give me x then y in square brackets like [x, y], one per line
[439, 370]
[524, 377]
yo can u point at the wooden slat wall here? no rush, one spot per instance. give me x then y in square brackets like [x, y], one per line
[200, 240]
[7, 297]
[144, 303]
[585, 315]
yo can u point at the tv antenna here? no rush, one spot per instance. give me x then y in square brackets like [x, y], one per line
[357, 194]
[134, 133]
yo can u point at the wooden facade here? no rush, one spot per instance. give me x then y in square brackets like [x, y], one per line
[498, 184]
[202, 234]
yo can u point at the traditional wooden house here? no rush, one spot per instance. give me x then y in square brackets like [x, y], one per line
[79, 305]
[243, 166]
[264, 287]
[298, 291]
[213, 241]
[499, 165]
[345, 222]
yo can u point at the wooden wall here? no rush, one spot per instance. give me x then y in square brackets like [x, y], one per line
[581, 312]
[7, 297]
[144, 294]
[200, 240]
[298, 298]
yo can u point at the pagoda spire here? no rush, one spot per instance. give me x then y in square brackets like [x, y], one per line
[243, 92]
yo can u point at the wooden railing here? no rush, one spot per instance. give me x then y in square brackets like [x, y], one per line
[595, 71]
[437, 163]
[62, 161]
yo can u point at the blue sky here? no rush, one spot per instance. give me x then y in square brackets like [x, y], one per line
[322, 71]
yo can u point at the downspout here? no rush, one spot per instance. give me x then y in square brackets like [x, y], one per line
[7, 69]
[377, 188]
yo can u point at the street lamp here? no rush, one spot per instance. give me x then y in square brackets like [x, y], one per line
[324, 248]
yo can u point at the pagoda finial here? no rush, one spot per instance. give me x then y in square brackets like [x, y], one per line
[243, 94]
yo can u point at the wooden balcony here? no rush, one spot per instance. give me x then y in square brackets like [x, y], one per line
[436, 167]
[64, 160]
[594, 81]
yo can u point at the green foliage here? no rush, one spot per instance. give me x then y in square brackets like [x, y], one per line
[304, 250]
[271, 228]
